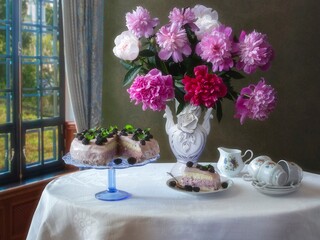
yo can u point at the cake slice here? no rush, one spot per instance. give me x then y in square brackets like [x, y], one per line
[203, 177]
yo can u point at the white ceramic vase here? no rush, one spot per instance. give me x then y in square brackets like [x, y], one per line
[187, 137]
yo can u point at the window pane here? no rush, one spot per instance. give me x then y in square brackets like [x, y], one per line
[5, 74]
[5, 152]
[50, 144]
[33, 146]
[30, 105]
[50, 75]
[49, 14]
[50, 103]
[3, 40]
[5, 107]
[30, 41]
[29, 11]
[3, 7]
[30, 75]
[50, 44]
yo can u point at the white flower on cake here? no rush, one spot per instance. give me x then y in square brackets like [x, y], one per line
[206, 20]
[127, 46]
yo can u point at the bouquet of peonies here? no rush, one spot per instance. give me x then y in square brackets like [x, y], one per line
[193, 59]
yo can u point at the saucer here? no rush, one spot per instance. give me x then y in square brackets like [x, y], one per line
[275, 190]
[221, 189]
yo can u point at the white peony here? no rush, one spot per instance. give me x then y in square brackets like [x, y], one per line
[127, 46]
[207, 19]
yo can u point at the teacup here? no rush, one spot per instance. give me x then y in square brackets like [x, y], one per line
[293, 170]
[272, 173]
[255, 164]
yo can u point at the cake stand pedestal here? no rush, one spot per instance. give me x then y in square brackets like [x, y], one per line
[112, 193]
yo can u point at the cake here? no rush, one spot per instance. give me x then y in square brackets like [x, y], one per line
[200, 177]
[100, 146]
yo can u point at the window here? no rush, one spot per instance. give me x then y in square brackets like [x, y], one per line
[31, 88]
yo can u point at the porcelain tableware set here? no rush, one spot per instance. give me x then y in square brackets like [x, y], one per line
[266, 175]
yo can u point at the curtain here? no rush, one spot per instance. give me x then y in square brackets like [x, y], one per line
[83, 49]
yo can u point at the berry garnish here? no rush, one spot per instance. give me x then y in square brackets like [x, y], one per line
[99, 141]
[80, 137]
[224, 184]
[172, 183]
[117, 161]
[188, 188]
[189, 164]
[85, 141]
[132, 160]
[211, 168]
[142, 142]
[135, 137]
[147, 138]
[123, 132]
[196, 189]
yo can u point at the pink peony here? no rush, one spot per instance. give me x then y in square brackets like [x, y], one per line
[255, 102]
[217, 48]
[152, 90]
[254, 51]
[140, 23]
[173, 41]
[183, 17]
[205, 88]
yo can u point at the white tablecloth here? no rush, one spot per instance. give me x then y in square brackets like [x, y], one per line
[69, 210]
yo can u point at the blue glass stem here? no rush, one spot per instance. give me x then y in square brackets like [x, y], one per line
[112, 180]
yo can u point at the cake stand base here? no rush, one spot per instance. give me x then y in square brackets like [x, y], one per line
[108, 195]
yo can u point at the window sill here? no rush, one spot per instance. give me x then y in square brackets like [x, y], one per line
[34, 181]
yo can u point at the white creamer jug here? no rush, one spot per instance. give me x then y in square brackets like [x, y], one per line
[230, 162]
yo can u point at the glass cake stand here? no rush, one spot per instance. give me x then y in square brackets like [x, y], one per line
[112, 193]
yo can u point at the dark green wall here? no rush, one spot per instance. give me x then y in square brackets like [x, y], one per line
[292, 131]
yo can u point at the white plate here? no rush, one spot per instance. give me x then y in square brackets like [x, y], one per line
[229, 181]
[275, 190]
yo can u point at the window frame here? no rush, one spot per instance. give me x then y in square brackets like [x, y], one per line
[18, 127]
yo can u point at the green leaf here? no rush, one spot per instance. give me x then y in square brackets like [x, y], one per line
[179, 94]
[180, 107]
[161, 65]
[234, 74]
[219, 110]
[126, 64]
[131, 74]
[146, 53]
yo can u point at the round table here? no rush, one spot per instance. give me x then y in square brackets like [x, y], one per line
[68, 209]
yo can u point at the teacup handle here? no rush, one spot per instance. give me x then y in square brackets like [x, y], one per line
[247, 177]
[251, 153]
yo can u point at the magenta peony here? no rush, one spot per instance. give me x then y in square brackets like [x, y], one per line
[173, 42]
[254, 51]
[255, 102]
[140, 23]
[152, 90]
[217, 48]
[205, 88]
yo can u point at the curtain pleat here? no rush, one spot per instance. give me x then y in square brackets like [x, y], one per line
[83, 46]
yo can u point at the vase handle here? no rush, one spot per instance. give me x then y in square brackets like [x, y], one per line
[206, 120]
[168, 115]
